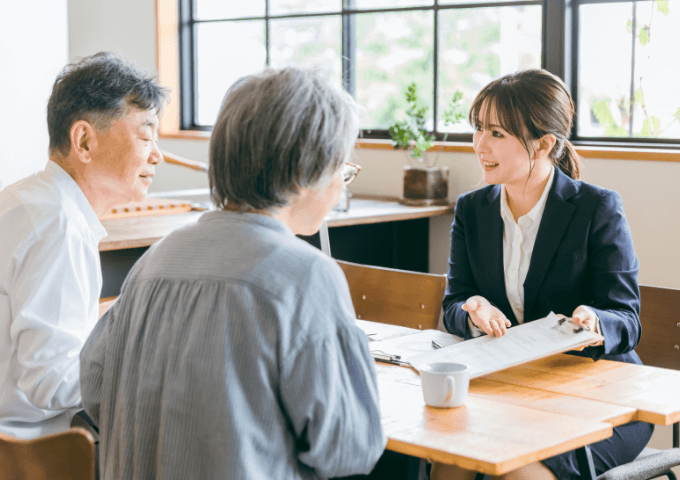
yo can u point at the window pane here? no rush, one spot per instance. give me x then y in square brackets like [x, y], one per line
[453, 2]
[314, 42]
[606, 74]
[478, 45]
[219, 9]
[283, 7]
[371, 4]
[393, 50]
[225, 52]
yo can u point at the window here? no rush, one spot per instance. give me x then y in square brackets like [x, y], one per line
[375, 48]
[628, 80]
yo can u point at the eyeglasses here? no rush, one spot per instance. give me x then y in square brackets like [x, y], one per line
[350, 172]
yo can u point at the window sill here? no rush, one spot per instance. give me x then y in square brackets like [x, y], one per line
[608, 153]
[185, 134]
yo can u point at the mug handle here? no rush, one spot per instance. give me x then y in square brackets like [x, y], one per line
[450, 388]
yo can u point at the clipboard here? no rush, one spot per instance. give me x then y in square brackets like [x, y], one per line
[521, 344]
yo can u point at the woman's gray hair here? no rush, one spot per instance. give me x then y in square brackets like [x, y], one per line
[278, 132]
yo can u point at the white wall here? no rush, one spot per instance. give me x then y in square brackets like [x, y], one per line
[33, 48]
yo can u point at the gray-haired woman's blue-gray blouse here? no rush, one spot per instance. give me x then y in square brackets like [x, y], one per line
[232, 353]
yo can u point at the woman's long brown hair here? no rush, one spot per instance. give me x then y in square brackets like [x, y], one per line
[528, 105]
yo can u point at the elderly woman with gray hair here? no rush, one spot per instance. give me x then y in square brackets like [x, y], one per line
[232, 350]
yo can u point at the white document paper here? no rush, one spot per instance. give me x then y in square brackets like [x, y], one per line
[521, 344]
[382, 331]
[409, 346]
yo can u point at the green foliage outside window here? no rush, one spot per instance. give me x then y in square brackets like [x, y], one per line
[651, 125]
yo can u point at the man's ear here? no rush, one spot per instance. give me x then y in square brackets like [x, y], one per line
[544, 145]
[83, 139]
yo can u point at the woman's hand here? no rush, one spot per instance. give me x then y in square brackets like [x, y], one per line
[486, 317]
[586, 316]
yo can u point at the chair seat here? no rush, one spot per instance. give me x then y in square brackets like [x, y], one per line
[649, 464]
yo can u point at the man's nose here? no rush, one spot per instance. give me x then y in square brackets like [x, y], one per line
[156, 156]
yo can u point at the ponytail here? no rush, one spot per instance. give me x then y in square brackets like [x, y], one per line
[569, 161]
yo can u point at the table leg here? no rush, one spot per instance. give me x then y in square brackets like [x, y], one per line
[584, 457]
[416, 468]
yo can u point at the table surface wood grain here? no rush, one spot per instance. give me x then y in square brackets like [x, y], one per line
[493, 433]
[486, 434]
[141, 231]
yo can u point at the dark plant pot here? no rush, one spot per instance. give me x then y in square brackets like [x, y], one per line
[425, 186]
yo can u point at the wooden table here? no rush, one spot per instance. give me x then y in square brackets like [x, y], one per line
[138, 232]
[375, 231]
[526, 413]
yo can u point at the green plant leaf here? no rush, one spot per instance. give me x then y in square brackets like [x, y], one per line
[646, 128]
[629, 26]
[638, 96]
[677, 115]
[662, 6]
[644, 35]
[411, 133]
[656, 124]
[454, 114]
[401, 134]
[603, 113]
[411, 93]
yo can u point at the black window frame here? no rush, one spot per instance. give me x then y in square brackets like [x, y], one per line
[559, 55]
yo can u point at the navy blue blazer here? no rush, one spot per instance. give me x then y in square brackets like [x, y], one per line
[583, 255]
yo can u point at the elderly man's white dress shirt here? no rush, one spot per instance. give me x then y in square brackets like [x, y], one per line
[50, 282]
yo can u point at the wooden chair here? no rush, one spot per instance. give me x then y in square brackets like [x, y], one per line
[64, 456]
[659, 347]
[396, 297]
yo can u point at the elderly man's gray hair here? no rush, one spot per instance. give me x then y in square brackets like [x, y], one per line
[278, 132]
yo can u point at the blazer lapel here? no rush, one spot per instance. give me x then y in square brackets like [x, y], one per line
[490, 237]
[556, 218]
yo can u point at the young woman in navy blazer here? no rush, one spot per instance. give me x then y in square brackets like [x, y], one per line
[581, 263]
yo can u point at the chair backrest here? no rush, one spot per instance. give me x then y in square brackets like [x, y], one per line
[64, 456]
[396, 297]
[660, 317]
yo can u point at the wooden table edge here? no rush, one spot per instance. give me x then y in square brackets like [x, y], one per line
[501, 468]
[126, 244]
[657, 418]
[640, 414]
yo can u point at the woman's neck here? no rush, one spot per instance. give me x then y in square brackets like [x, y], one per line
[523, 197]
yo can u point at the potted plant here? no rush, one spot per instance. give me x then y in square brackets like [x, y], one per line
[425, 183]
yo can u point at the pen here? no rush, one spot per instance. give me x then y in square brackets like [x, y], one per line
[436, 344]
[386, 358]
[568, 319]
[390, 361]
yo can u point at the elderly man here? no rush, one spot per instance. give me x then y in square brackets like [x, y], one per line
[103, 120]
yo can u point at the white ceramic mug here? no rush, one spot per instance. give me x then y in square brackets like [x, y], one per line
[445, 384]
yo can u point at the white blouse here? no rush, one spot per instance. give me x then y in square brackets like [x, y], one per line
[50, 282]
[518, 244]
